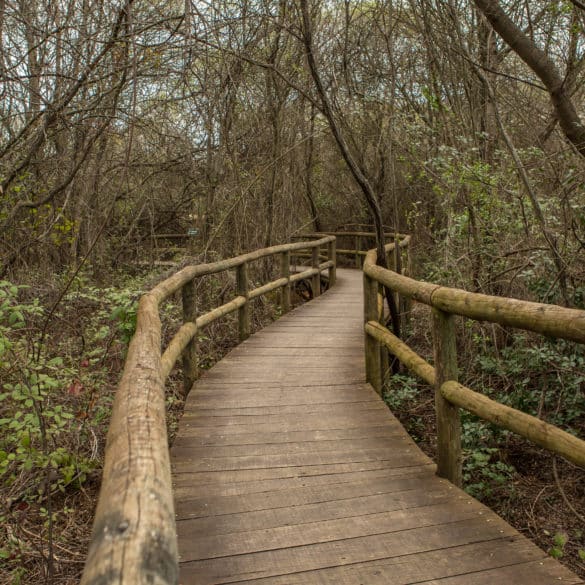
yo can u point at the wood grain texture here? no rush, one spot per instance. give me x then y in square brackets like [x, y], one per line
[289, 470]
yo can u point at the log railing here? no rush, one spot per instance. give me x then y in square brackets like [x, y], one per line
[134, 539]
[450, 396]
[359, 239]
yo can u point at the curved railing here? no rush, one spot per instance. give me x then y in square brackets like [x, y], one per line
[352, 243]
[134, 538]
[446, 303]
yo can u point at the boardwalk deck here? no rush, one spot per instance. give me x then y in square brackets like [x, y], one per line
[289, 470]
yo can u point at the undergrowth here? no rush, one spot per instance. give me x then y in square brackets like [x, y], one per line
[538, 494]
[59, 367]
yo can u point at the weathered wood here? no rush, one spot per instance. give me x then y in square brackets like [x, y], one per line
[546, 319]
[372, 345]
[316, 279]
[175, 282]
[332, 255]
[530, 427]
[509, 560]
[352, 252]
[309, 273]
[134, 529]
[190, 370]
[134, 538]
[285, 303]
[340, 234]
[177, 345]
[243, 288]
[281, 479]
[269, 287]
[398, 348]
[221, 311]
[449, 455]
[404, 538]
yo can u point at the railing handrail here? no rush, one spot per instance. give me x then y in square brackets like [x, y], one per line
[134, 537]
[447, 302]
[550, 320]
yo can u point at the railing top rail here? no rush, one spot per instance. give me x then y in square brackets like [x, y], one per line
[172, 284]
[550, 320]
[388, 234]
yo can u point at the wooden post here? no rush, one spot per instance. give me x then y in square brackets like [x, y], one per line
[190, 370]
[316, 280]
[358, 262]
[448, 422]
[391, 260]
[244, 311]
[285, 290]
[332, 255]
[372, 345]
[406, 300]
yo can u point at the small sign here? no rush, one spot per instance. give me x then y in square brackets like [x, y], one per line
[192, 232]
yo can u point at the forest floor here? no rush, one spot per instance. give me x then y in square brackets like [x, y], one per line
[55, 404]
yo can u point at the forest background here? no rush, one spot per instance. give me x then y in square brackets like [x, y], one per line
[250, 122]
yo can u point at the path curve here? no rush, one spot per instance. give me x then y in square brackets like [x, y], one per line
[289, 469]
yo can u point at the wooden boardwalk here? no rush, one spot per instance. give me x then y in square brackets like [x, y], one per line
[289, 470]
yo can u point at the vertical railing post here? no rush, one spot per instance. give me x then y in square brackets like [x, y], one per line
[316, 279]
[285, 290]
[242, 285]
[448, 422]
[357, 242]
[372, 346]
[407, 301]
[391, 259]
[332, 256]
[190, 370]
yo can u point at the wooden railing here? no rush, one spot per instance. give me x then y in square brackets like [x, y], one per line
[360, 240]
[134, 539]
[446, 303]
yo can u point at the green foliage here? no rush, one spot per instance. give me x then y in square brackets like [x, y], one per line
[542, 378]
[32, 421]
[117, 306]
[560, 540]
[400, 390]
[484, 473]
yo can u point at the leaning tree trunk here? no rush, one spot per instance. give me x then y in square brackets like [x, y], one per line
[358, 174]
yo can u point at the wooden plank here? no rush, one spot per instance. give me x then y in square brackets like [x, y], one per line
[497, 559]
[366, 406]
[365, 415]
[406, 455]
[305, 531]
[258, 438]
[188, 484]
[183, 448]
[195, 507]
[288, 409]
[542, 571]
[284, 399]
[346, 552]
[309, 471]
[312, 512]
